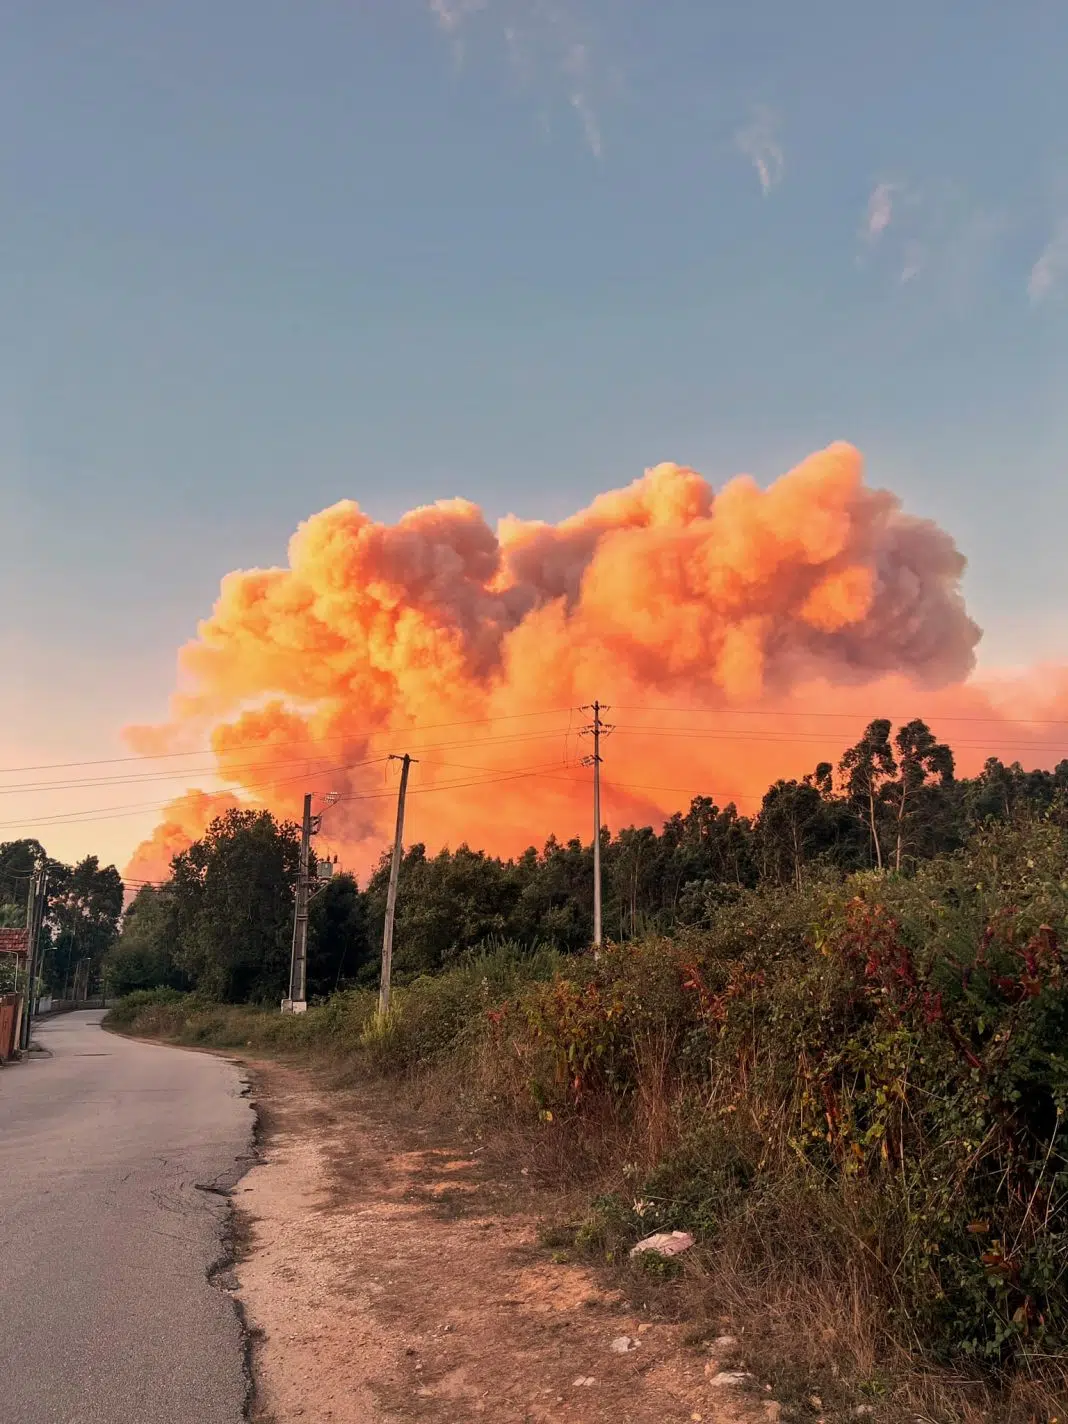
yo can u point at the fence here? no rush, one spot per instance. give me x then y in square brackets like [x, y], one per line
[47, 1007]
[10, 1005]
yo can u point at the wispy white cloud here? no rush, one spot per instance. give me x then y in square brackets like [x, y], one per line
[576, 67]
[758, 141]
[451, 14]
[1051, 268]
[546, 45]
[938, 236]
[880, 210]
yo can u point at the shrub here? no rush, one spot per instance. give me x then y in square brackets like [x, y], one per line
[860, 1083]
[890, 1054]
[132, 1007]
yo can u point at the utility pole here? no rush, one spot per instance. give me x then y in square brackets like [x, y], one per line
[70, 955]
[297, 1002]
[391, 894]
[598, 728]
[298, 962]
[34, 918]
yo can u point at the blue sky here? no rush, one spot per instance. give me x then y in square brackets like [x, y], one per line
[260, 256]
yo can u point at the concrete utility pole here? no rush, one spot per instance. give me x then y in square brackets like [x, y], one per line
[298, 962]
[35, 909]
[598, 728]
[311, 825]
[391, 895]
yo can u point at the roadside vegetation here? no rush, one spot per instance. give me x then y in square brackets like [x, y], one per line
[81, 923]
[831, 1043]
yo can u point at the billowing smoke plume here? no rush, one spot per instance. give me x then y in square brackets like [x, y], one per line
[469, 647]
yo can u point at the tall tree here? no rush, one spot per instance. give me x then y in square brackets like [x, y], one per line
[144, 955]
[340, 949]
[234, 894]
[921, 760]
[555, 901]
[18, 860]
[84, 909]
[866, 768]
[446, 903]
[633, 880]
[788, 830]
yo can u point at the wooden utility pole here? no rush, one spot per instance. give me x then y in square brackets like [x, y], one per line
[391, 895]
[598, 728]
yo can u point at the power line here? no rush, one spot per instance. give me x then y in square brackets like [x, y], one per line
[104, 812]
[493, 780]
[626, 729]
[792, 738]
[643, 786]
[88, 817]
[849, 716]
[26, 787]
[495, 775]
[306, 761]
[340, 737]
[89, 814]
[513, 716]
[131, 808]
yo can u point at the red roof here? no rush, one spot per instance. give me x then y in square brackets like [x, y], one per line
[13, 941]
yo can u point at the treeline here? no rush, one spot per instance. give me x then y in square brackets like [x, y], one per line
[223, 923]
[82, 914]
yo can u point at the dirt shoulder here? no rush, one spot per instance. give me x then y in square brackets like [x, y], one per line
[386, 1276]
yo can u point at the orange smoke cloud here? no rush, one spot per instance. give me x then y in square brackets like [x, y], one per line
[183, 820]
[764, 612]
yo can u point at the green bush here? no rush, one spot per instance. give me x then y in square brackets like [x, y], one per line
[428, 1019]
[884, 1062]
[438, 1015]
[131, 1007]
[868, 1076]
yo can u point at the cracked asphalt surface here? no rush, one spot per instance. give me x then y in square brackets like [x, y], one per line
[107, 1315]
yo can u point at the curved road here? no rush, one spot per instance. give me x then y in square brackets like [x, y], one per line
[106, 1312]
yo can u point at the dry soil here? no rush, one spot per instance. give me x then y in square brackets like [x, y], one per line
[381, 1282]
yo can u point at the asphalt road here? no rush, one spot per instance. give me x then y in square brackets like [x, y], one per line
[106, 1312]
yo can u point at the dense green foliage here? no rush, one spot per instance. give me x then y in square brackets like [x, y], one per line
[866, 1076]
[82, 911]
[891, 1051]
[145, 956]
[224, 921]
[84, 907]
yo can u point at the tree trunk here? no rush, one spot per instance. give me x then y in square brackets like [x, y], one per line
[874, 828]
[900, 822]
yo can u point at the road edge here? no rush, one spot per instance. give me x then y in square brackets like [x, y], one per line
[233, 1241]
